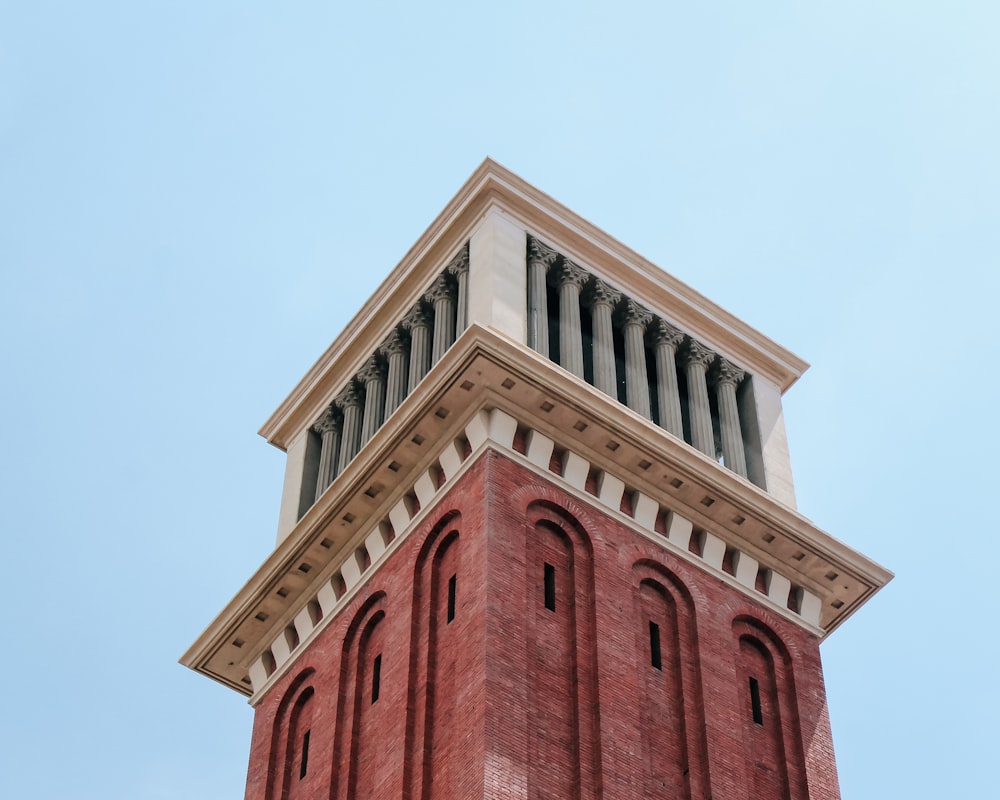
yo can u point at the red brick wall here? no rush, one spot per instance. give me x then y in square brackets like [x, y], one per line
[511, 699]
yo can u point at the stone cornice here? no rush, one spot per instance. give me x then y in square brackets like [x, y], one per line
[492, 186]
[486, 371]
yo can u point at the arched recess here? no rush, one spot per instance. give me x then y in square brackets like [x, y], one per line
[563, 727]
[361, 720]
[285, 753]
[434, 725]
[670, 696]
[769, 710]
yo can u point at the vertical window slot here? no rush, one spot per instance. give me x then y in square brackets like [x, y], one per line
[550, 587]
[452, 581]
[758, 713]
[655, 658]
[376, 676]
[304, 761]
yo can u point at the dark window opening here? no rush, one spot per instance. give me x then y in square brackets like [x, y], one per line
[376, 676]
[452, 581]
[304, 762]
[758, 713]
[655, 658]
[550, 587]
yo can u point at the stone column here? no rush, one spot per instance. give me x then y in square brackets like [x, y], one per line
[665, 338]
[418, 323]
[727, 377]
[349, 402]
[459, 270]
[442, 297]
[602, 300]
[570, 278]
[394, 351]
[540, 259]
[634, 319]
[372, 374]
[696, 359]
[328, 427]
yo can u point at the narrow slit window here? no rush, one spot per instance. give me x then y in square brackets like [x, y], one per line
[758, 713]
[376, 676]
[452, 583]
[655, 659]
[304, 761]
[550, 587]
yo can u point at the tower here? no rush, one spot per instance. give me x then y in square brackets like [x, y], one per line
[538, 539]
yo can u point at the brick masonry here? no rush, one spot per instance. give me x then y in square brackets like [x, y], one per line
[543, 682]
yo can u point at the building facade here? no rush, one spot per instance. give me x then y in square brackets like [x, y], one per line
[538, 539]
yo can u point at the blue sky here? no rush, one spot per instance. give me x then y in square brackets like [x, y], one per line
[196, 197]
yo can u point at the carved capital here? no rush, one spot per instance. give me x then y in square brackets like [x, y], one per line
[696, 353]
[350, 395]
[328, 423]
[569, 273]
[631, 313]
[417, 317]
[539, 253]
[661, 332]
[724, 372]
[395, 344]
[373, 370]
[600, 294]
[442, 289]
[460, 263]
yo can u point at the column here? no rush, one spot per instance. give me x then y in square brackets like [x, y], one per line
[394, 351]
[442, 297]
[349, 403]
[570, 278]
[328, 427]
[418, 323]
[727, 377]
[459, 270]
[634, 319]
[665, 339]
[602, 300]
[696, 359]
[372, 374]
[540, 259]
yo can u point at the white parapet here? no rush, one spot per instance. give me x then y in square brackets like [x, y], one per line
[498, 279]
[291, 492]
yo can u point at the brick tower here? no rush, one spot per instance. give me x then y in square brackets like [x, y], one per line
[538, 539]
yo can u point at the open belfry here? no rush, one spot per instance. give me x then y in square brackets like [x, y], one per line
[538, 539]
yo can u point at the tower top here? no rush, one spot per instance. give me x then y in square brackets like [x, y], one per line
[514, 324]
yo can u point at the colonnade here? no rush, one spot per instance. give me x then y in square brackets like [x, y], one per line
[647, 341]
[394, 370]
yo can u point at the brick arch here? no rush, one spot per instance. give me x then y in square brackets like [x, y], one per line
[769, 711]
[563, 733]
[356, 735]
[670, 695]
[437, 656]
[283, 744]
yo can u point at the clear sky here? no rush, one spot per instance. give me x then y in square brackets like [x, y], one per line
[196, 196]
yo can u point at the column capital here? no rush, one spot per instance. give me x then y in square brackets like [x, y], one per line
[662, 332]
[417, 317]
[441, 289]
[539, 253]
[724, 372]
[350, 395]
[631, 313]
[569, 273]
[697, 353]
[460, 263]
[394, 344]
[600, 294]
[373, 370]
[329, 422]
